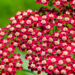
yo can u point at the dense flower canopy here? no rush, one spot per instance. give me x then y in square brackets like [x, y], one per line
[57, 3]
[48, 36]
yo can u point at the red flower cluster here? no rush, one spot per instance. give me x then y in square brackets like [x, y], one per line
[9, 62]
[45, 2]
[57, 3]
[2, 33]
[48, 36]
[60, 3]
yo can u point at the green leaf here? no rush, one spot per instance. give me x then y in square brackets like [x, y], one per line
[69, 25]
[55, 54]
[55, 65]
[26, 26]
[65, 24]
[50, 45]
[10, 55]
[38, 28]
[45, 59]
[39, 43]
[70, 37]
[20, 72]
[51, 32]
[25, 62]
[30, 38]
[25, 72]
[69, 5]
[50, 3]
[33, 26]
[54, 28]
[58, 30]
[73, 56]
[64, 64]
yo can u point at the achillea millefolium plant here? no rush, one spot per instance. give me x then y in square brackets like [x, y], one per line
[48, 36]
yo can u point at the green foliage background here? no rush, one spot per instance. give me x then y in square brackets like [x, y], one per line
[7, 9]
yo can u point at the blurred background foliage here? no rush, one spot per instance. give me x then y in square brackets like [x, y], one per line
[10, 7]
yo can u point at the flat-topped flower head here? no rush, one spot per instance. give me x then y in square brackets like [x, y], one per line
[47, 36]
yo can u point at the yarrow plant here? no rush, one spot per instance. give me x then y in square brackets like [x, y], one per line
[48, 36]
